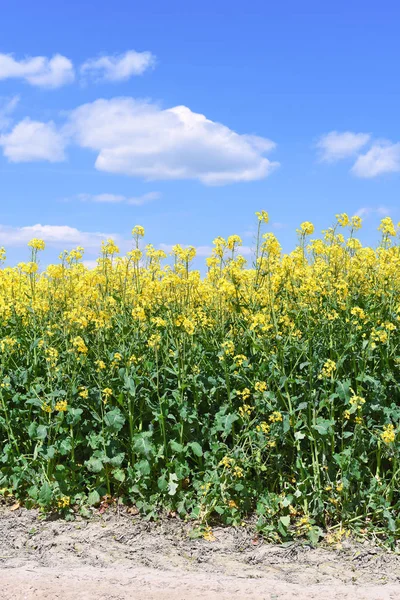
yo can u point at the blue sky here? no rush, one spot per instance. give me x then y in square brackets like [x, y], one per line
[89, 145]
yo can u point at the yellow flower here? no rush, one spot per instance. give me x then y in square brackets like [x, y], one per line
[262, 216]
[307, 228]
[226, 462]
[61, 406]
[260, 386]
[154, 341]
[343, 219]
[387, 227]
[228, 348]
[357, 401]
[208, 535]
[37, 244]
[107, 392]
[275, 417]
[263, 427]
[64, 502]
[239, 359]
[328, 369]
[238, 472]
[80, 345]
[245, 393]
[109, 248]
[245, 410]
[358, 312]
[138, 231]
[356, 222]
[389, 434]
[28, 268]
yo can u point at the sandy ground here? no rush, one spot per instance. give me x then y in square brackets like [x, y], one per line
[120, 557]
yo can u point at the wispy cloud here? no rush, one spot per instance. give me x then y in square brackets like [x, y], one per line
[366, 211]
[38, 71]
[383, 157]
[7, 107]
[31, 141]
[335, 145]
[205, 251]
[120, 199]
[58, 236]
[118, 67]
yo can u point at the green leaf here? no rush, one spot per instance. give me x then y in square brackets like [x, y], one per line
[172, 484]
[129, 385]
[45, 494]
[143, 467]
[51, 451]
[65, 446]
[314, 534]
[35, 402]
[175, 447]
[74, 415]
[196, 448]
[114, 420]
[286, 423]
[41, 432]
[142, 443]
[285, 520]
[323, 426]
[33, 492]
[94, 498]
[299, 435]
[119, 475]
[94, 465]
[224, 422]
[162, 483]
[117, 460]
[32, 430]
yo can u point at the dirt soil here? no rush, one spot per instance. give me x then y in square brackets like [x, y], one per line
[117, 556]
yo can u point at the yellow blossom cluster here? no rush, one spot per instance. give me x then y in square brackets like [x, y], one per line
[156, 374]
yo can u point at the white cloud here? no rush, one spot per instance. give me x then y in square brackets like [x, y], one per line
[137, 138]
[38, 70]
[278, 225]
[7, 107]
[120, 199]
[90, 264]
[335, 145]
[33, 141]
[59, 236]
[366, 211]
[206, 250]
[383, 157]
[118, 68]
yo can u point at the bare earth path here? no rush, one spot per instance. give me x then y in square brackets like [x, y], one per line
[119, 557]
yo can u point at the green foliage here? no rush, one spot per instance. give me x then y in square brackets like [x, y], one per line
[279, 399]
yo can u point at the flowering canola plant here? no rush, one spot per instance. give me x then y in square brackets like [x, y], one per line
[268, 387]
